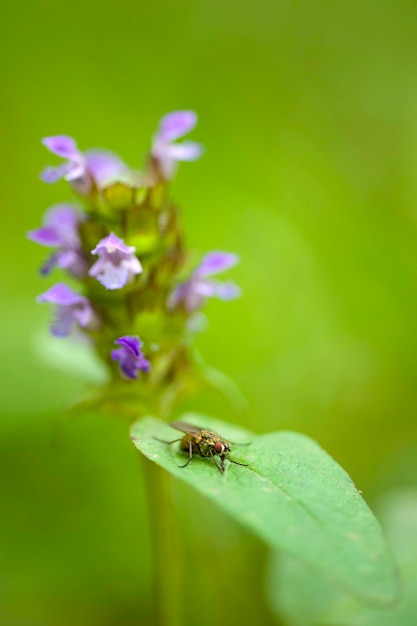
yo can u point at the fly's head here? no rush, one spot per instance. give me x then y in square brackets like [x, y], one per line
[221, 448]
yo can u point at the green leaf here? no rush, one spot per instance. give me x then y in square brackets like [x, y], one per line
[293, 495]
[303, 599]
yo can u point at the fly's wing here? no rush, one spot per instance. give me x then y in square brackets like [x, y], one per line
[188, 429]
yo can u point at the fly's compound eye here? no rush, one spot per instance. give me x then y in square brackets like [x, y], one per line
[218, 447]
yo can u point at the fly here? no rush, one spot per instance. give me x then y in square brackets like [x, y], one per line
[204, 443]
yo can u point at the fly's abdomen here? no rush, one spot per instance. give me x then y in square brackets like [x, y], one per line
[185, 444]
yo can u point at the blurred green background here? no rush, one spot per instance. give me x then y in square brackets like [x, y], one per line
[308, 113]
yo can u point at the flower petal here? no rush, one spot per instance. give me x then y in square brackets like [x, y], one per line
[226, 290]
[77, 171]
[105, 166]
[203, 288]
[62, 215]
[109, 275]
[64, 322]
[62, 145]
[113, 243]
[64, 219]
[214, 288]
[176, 124]
[216, 262]
[127, 362]
[45, 236]
[52, 174]
[186, 151]
[83, 314]
[178, 295]
[73, 261]
[130, 342]
[61, 294]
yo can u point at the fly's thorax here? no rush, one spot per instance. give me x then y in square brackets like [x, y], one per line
[206, 446]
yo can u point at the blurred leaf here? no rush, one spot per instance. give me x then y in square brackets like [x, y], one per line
[70, 357]
[227, 388]
[303, 599]
[293, 496]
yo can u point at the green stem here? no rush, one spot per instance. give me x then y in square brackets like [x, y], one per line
[166, 556]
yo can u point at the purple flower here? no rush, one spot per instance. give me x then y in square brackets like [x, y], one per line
[130, 356]
[71, 309]
[81, 170]
[60, 230]
[192, 293]
[165, 151]
[75, 166]
[117, 262]
[106, 167]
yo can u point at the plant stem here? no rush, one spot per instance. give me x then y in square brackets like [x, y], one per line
[166, 557]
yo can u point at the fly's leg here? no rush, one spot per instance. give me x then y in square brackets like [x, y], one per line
[213, 458]
[239, 443]
[222, 462]
[237, 463]
[169, 442]
[190, 452]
